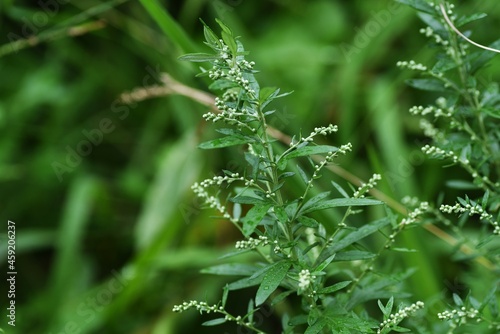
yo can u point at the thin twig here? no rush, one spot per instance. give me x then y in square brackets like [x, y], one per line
[447, 19]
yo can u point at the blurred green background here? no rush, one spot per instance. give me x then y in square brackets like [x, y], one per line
[109, 240]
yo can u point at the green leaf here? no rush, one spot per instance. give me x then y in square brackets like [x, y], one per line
[246, 282]
[353, 237]
[322, 266]
[304, 151]
[340, 189]
[281, 214]
[285, 175]
[491, 301]
[483, 57]
[250, 310]
[493, 112]
[314, 200]
[237, 210]
[227, 37]
[298, 320]
[432, 85]
[340, 202]
[435, 23]
[211, 38]
[485, 241]
[376, 290]
[225, 293]
[225, 142]
[237, 269]
[457, 300]
[459, 184]
[272, 279]
[199, 57]
[317, 327]
[222, 84]
[302, 174]
[308, 248]
[400, 329]
[279, 298]
[335, 287]
[354, 255]
[470, 18]
[268, 94]
[339, 321]
[230, 42]
[224, 27]
[253, 218]
[420, 5]
[404, 250]
[308, 222]
[214, 322]
[443, 65]
[247, 200]
[387, 310]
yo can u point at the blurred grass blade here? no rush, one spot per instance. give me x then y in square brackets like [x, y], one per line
[177, 170]
[169, 26]
[75, 216]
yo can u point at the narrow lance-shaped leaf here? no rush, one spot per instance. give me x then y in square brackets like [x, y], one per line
[210, 36]
[314, 200]
[317, 327]
[305, 151]
[340, 202]
[231, 269]
[467, 19]
[199, 57]
[353, 237]
[335, 287]
[419, 5]
[253, 218]
[225, 142]
[432, 85]
[272, 279]
[214, 322]
[224, 295]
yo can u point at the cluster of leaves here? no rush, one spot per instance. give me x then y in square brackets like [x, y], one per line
[464, 127]
[325, 263]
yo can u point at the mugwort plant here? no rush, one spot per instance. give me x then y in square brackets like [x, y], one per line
[463, 127]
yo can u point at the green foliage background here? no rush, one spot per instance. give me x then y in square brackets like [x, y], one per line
[118, 240]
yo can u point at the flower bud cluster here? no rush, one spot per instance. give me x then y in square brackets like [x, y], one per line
[461, 316]
[200, 189]
[200, 306]
[305, 279]
[437, 112]
[438, 152]
[395, 319]
[234, 69]
[411, 65]
[431, 131]
[252, 243]
[471, 209]
[365, 187]
[324, 130]
[413, 215]
[345, 148]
